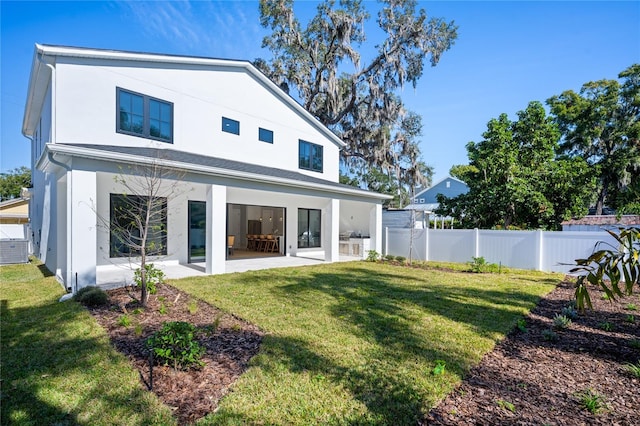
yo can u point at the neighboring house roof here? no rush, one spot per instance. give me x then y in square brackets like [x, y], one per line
[602, 220]
[202, 164]
[426, 200]
[15, 210]
[41, 73]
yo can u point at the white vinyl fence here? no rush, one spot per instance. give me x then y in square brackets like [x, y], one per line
[549, 251]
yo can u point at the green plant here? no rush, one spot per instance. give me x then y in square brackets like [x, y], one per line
[400, 259]
[506, 405]
[439, 368]
[631, 318]
[389, 257]
[477, 264]
[633, 369]
[92, 296]
[634, 343]
[163, 309]
[561, 321]
[153, 275]
[522, 325]
[193, 306]
[137, 329]
[609, 267]
[373, 256]
[631, 307]
[569, 312]
[550, 335]
[606, 326]
[591, 401]
[137, 311]
[174, 344]
[124, 320]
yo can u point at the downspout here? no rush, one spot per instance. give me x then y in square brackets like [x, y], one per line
[69, 218]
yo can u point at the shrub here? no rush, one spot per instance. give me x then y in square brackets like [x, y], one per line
[124, 320]
[550, 335]
[400, 259]
[479, 265]
[154, 277]
[174, 344]
[389, 257]
[92, 296]
[569, 312]
[561, 321]
[373, 256]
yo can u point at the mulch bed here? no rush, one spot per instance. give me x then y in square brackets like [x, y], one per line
[537, 378]
[229, 341]
[542, 379]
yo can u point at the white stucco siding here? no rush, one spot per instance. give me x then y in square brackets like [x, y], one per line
[86, 112]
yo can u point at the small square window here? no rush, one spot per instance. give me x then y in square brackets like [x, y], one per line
[265, 135]
[230, 126]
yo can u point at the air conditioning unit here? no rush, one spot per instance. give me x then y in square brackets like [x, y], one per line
[14, 251]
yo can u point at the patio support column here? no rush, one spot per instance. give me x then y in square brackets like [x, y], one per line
[332, 233]
[82, 247]
[216, 244]
[375, 227]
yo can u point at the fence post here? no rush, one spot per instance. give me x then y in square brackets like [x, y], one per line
[476, 242]
[385, 247]
[426, 244]
[539, 249]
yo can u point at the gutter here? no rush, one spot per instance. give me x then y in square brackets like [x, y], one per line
[212, 171]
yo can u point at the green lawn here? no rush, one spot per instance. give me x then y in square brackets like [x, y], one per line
[347, 343]
[356, 343]
[57, 365]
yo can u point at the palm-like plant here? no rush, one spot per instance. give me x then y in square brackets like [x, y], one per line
[610, 266]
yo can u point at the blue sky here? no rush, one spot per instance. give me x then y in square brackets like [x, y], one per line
[507, 54]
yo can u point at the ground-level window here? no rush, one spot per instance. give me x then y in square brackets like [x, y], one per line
[126, 212]
[308, 228]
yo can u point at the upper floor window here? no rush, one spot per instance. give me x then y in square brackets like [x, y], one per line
[230, 126]
[309, 156]
[265, 135]
[142, 115]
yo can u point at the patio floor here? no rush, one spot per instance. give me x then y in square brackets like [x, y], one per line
[113, 276]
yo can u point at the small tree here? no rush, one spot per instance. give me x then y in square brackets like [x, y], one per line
[138, 216]
[609, 266]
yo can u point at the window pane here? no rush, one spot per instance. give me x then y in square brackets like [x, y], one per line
[304, 154]
[154, 110]
[125, 237]
[165, 131]
[137, 124]
[154, 128]
[317, 158]
[230, 126]
[265, 135]
[303, 228]
[314, 228]
[137, 105]
[151, 120]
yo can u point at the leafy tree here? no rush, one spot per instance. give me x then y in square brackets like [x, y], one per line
[602, 125]
[357, 97]
[514, 178]
[12, 182]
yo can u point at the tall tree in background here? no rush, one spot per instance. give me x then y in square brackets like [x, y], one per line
[515, 179]
[12, 182]
[321, 65]
[602, 125]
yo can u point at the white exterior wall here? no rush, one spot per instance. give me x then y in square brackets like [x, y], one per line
[200, 97]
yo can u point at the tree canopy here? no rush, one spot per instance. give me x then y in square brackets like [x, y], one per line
[515, 179]
[356, 96]
[12, 182]
[601, 124]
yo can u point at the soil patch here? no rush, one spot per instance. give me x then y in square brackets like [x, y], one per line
[532, 379]
[229, 341]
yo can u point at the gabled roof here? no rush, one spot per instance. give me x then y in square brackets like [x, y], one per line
[421, 193]
[211, 166]
[44, 60]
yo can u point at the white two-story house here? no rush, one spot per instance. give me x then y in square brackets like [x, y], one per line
[251, 160]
